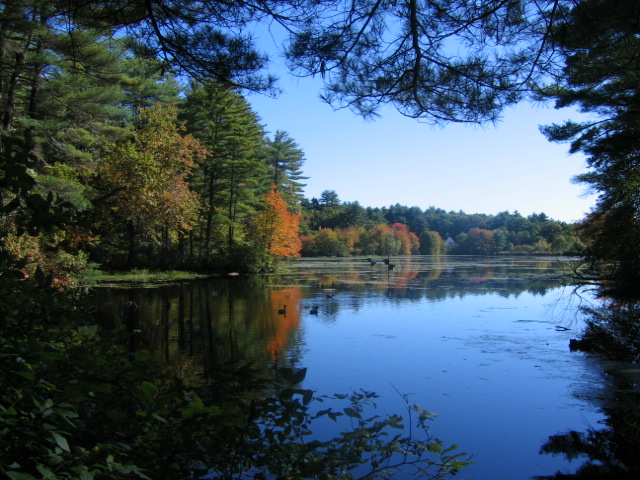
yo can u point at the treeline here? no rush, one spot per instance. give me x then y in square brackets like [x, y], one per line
[334, 228]
[128, 170]
[108, 161]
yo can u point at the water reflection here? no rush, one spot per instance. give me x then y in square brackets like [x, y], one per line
[472, 338]
[436, 278]
[203, 328]
[201, 325]
[611, 449]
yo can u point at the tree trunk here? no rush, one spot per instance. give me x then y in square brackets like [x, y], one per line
[131, 234]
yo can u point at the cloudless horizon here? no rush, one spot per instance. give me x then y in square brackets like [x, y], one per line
[398, 160]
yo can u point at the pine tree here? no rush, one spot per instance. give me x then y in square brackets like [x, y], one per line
[602, 51]
[284, 160]
[231, 179]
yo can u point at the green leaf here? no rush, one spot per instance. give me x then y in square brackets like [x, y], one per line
[61, 441]
[145, 392]
[20, 476]
[159, 418]
[50, 357]
[27, 375]
[142, 355]
[195, 406]
[46, 473]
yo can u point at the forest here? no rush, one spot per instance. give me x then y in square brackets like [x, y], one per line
[334, 228]
[126, 141]
[163, 177]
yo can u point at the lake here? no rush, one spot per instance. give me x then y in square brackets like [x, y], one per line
[481, 341]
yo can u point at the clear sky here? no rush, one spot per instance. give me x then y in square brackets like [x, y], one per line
[394, 159]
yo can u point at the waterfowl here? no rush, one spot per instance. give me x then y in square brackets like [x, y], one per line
[283, 311]
[314, 310]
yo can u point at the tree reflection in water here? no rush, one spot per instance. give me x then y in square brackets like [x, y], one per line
[613, 334]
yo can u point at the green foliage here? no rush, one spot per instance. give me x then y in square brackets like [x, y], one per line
[476, 241]
[599, 42]
[284, 159]
[613, 330]
[400, 53]
[76, 76]
[430, 243]
[325, 243]
[141, 276]
[477, 234]
[230, 181]
[247, 258]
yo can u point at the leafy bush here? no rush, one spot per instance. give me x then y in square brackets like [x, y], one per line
[248, 258]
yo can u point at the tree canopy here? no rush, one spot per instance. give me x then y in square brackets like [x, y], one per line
[435, 60]
[600, 43]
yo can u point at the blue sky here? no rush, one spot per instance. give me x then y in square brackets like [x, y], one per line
[393, 159]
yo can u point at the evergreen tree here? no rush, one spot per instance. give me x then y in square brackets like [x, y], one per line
[61, 97]
[353, 214]
[230, 181]
[284, 161]
[367, 53]
[602, 50]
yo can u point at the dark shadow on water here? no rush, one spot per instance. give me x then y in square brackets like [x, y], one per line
[612, 336]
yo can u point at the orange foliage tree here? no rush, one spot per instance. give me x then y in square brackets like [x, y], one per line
[408, 242]
[351, 238]
[276, 229]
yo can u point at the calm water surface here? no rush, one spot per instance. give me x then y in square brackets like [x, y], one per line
[482, 342]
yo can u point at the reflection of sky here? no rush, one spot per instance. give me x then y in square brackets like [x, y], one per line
[494, 368]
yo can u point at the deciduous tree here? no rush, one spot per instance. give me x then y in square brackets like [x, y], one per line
[430, 243]
[143, 182]
[477, 241]
[324, 243]
[408, 241]
[276, 228]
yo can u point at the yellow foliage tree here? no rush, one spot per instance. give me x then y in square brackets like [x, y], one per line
[144, 180]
